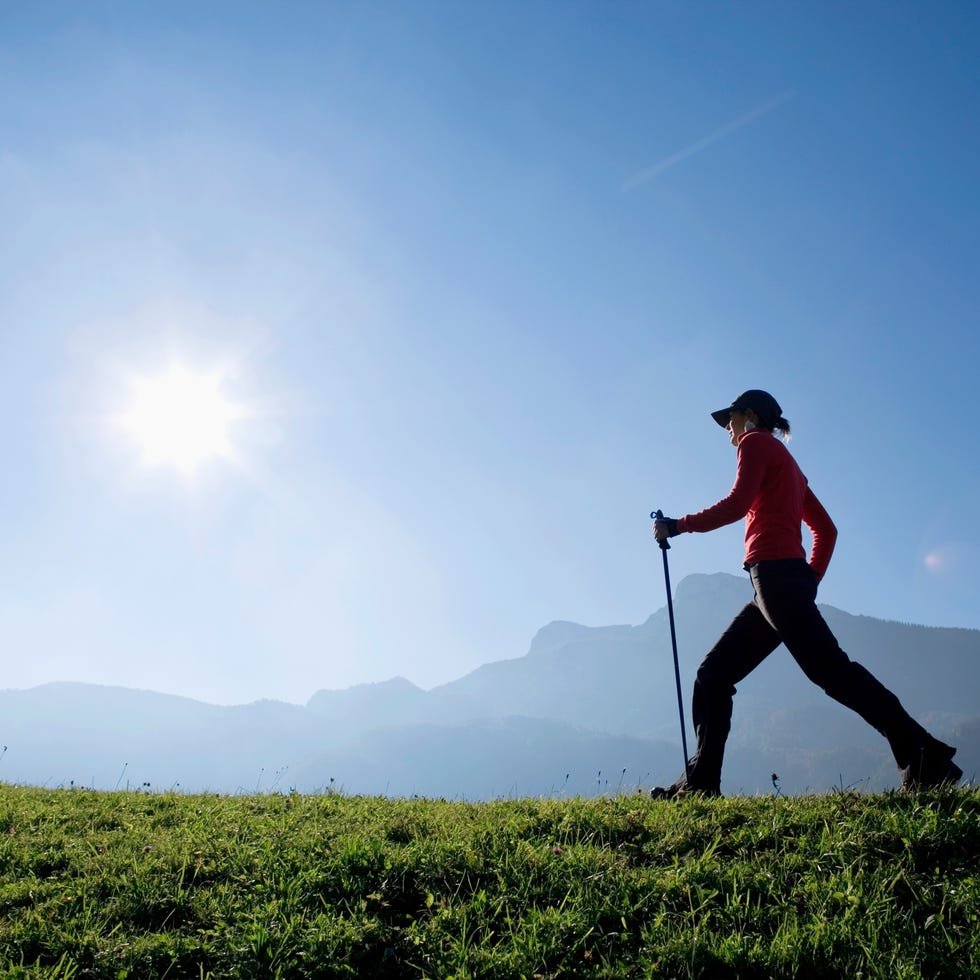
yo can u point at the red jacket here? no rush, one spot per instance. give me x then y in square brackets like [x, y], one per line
[772, 494]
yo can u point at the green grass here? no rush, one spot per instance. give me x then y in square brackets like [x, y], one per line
[133, 885]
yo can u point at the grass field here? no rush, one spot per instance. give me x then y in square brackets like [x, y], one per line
[139, 885]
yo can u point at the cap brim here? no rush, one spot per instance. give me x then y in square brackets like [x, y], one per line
[722, 416]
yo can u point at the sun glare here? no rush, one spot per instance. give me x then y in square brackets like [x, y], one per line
[180, 418]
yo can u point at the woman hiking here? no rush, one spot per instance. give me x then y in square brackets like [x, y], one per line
[772, 494]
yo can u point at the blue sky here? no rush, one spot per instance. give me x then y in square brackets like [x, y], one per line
[474, 274]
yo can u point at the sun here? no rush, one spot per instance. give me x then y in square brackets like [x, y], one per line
[180, 419]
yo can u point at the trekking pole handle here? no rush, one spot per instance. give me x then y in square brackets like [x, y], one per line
[658, 515]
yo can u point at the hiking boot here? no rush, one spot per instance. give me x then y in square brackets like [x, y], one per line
[680, 788]
[932, 765]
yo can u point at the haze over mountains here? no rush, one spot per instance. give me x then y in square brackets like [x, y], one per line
[585, 710]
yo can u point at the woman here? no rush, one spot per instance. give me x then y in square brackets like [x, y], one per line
[772, 495]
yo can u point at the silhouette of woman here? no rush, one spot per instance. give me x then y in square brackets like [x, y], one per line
[773, 495]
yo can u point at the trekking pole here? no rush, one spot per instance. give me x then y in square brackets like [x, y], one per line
[665, 547]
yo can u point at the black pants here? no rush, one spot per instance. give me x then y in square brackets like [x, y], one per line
[784, 610]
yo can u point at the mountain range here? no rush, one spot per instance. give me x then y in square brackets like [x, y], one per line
[585, 710]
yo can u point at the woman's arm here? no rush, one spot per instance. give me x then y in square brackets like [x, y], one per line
[824, 533]
[748, 480]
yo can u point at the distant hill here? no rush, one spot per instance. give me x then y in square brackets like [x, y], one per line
[581, 701]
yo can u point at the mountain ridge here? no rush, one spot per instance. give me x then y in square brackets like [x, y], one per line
[606, 693]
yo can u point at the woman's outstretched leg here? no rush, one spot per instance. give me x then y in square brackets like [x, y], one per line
[786, 598]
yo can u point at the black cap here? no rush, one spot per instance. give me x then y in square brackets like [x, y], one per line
[761, 402]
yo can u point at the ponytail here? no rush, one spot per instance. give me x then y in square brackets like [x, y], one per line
[770, 424]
